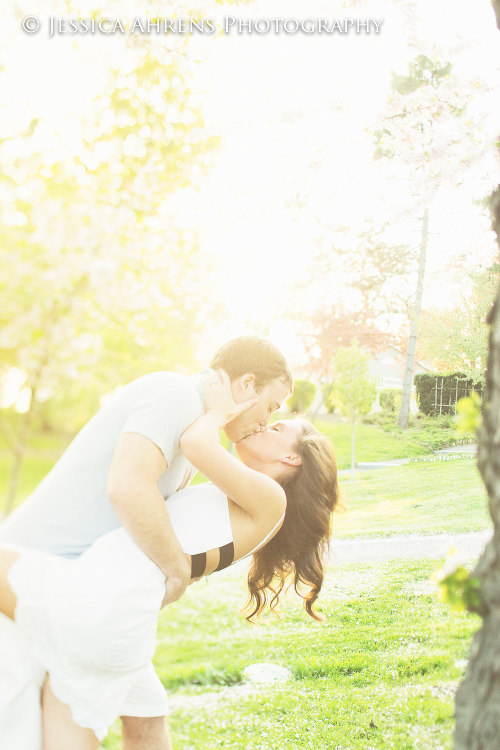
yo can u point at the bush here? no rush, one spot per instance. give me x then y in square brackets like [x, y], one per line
[328, 398]
[425, 386]
[386, 420]
[302, 396]
[390, 399]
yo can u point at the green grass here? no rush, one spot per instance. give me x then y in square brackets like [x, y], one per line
[430, 432]
[419, 498]
[372, 444]
[389, 652]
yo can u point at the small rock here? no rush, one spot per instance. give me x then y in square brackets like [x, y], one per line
[267, 673]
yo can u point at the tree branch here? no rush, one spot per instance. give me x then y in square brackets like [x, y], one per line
[9, 435]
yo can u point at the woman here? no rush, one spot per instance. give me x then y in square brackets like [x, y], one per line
[91, 622]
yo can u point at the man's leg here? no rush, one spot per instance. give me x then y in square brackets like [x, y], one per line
[143, 714]
[146, 733]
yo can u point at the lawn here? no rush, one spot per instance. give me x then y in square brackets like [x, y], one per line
[389, 654]
[372, 443]
[380, 672]
[419, 498]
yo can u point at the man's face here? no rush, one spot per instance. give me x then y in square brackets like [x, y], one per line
[270, 398]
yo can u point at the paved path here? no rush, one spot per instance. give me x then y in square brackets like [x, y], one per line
[415, 547]
[364, 465]
[469, 448]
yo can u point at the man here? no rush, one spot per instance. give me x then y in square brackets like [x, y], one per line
[118, 470]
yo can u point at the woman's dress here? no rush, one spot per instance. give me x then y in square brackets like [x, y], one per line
[91, 622]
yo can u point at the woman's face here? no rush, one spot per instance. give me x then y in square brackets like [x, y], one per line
[271, 447]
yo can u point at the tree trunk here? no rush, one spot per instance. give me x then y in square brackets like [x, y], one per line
[14, 477]
[478, 698]
[404, 411]
[496, 8]
[325, 375]
[352, 446]
[19, 454]
[322, 400]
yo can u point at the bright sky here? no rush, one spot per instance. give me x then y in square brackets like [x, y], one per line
[292, 110]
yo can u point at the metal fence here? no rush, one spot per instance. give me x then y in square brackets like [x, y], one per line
[447, 395]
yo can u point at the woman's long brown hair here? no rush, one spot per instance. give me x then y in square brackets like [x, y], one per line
[300, 547]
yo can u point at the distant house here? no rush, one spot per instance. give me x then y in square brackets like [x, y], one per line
[387, 368]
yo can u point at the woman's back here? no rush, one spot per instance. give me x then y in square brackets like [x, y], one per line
[200, 518]
[213, 529]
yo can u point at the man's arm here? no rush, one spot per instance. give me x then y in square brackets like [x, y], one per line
[132, 491]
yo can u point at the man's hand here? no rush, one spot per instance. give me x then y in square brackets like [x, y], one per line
[219, 396]
[178, 579]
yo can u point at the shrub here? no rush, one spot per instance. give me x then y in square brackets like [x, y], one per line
[390, 399]
[302, 396]
[384, 419]
[328, 401]
[425, 386]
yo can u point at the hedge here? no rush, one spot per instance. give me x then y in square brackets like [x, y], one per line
[302, 396]
[425, 386]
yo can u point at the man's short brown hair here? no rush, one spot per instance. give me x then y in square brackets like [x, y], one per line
[256, 355]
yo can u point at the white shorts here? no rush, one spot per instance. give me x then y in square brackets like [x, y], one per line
[147, 696]
[21, 680]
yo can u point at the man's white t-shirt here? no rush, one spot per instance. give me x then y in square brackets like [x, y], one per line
[70, 509]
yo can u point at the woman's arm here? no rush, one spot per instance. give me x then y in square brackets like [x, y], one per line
[259, 495]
